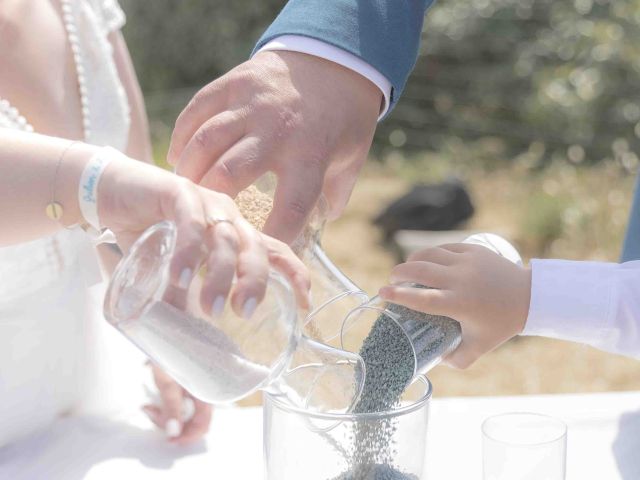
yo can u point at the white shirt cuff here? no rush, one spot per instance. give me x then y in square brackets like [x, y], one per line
[571, 300]
[318, 48]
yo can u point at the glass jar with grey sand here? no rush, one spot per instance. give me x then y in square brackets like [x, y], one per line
[223, 358]
[398, 343]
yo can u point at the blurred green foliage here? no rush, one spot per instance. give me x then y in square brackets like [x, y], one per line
[554, 78]
[537, 79]
[542, 221]
[189, 43]
[178, 47]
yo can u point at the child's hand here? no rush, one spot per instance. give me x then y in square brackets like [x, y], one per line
[486, 293]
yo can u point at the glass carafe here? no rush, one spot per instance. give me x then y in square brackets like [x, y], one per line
[378, 325]
[333, 294]
[225, 358]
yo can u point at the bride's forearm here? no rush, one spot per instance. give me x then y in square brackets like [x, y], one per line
[130, 196]
[28, 177]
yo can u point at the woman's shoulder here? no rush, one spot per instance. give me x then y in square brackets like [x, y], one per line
[109, 13]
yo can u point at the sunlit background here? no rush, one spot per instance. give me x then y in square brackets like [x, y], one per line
[534, 104]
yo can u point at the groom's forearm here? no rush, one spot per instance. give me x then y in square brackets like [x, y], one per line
[384, 34]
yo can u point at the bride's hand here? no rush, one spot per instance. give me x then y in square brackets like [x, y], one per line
[168, 415]
[132, 196]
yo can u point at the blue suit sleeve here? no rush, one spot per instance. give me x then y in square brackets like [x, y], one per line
[383, 33]
[631, 249]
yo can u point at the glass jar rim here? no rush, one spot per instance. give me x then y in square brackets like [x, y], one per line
[340, 296]
[562, 431]
[367, 416]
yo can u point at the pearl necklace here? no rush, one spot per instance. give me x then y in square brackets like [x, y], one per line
[16, 120]
[74, 42]
[13, 115]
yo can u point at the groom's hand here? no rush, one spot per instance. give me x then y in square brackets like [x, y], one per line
[308, 120]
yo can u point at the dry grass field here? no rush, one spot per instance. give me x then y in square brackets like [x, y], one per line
[560, 212]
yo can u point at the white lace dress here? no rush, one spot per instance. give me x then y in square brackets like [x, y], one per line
[44, 285]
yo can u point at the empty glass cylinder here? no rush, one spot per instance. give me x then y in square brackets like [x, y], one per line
[524, 446]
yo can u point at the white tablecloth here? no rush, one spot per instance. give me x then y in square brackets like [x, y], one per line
[604, 442]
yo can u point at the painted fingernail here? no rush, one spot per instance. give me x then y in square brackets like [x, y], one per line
[172, 428]
[249, 308]
[185, 278]
[188, 409]
[217, 307]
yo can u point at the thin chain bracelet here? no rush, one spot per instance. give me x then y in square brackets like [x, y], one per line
[54, 209]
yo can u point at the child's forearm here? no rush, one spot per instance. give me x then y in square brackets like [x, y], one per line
[595, 303]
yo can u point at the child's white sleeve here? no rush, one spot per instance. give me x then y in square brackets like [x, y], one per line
[595, 303]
